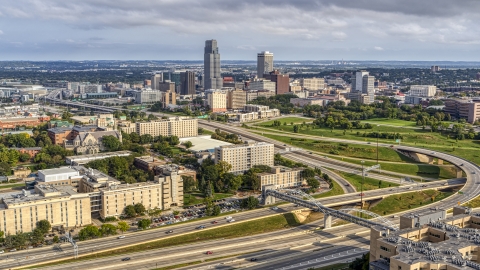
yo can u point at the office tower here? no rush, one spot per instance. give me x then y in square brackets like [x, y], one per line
[187, 83]
[282, 81]
[423, 90]
[156, 80]
[363, 87]
[212, 78]
[312, 83]
[264, 63]
[167, 86]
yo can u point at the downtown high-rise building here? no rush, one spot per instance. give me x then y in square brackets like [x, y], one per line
[156, 80]
[212, 78]
[363, 87]
[187, 83]
[264, 63]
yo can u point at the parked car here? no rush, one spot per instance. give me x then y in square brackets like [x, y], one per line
[1, 251]
[13, 250]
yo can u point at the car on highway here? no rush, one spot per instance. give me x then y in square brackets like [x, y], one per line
[253, 259]
[275, 208]
[228, 217]
[209, 253]
[126, 259]
[214, 222]
[12, 250]
[433, 153]
[361, 194]
[473, 172]
[347, 184]
[200, 227]
[369, 143]
[121, 237]
[231, 220]
[170, 231]
[1, 251]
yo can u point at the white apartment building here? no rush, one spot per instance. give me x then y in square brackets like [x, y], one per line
[217, 100]
[423, 90]
[312, 83]
[282, 177]
[244, 156]
[174, 126]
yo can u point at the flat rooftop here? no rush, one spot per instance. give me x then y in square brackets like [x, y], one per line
[203, 143]
[58, 171]
[100, 155]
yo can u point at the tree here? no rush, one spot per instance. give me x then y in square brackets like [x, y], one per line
[129, 211]
[313, 183]
[56, 239]
[295, 128]
[108, 229]
[139, 208]
[89, 232]
[111, 143]
[144, 223]
[232, 182]
[37, 236]
[5, 168]
[44, 226]
[250, 203]
[123, 226]
[307, 173]
[188, 144]
[189, 184]
[173, 140]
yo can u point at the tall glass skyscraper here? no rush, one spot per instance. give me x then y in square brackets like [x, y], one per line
[212, 78]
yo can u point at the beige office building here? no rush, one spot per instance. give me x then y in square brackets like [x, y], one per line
[60, 205]
[236, 99]
[312, 83]
[174, 126]
[163, 193]
[217, 100]
[468, 109]
[244, 156]
[423, 90]
[262, 84]
[281, 177]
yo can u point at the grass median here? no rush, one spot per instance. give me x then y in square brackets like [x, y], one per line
[247, 228]
[369, 183]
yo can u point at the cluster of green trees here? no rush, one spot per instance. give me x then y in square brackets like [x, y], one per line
[121, 168]
[215, 177]
[280, 102]
[132, 211]
[21, 239]
[92, 231]
[226, 137]
[51, 156]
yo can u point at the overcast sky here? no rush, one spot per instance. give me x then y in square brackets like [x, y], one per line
[291, 29]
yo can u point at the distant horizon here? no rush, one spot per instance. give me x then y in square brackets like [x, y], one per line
[240, 60]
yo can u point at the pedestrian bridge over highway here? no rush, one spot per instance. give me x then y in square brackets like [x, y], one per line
[313, 204]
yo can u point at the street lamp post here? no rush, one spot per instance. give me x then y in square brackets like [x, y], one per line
[377, 143]
[361, 186]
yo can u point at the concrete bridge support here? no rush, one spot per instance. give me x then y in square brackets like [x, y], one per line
[327, 221]
[267, 199]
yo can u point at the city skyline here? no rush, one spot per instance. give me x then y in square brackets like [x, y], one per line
[294, 30]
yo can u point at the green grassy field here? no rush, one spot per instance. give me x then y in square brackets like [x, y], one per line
[406, 201]
[344, 150]
[287, 120]
[369, 183]
[336, 190]
[197, 198]
[417, 169]
[392, 122]
[264, 225]
[468, 149]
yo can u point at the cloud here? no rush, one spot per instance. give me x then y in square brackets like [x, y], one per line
[321, 24]
[378, 48]
[1, 32]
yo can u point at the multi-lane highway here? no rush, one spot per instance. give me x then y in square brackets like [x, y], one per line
[88, 247]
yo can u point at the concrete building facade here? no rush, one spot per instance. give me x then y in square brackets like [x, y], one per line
[175, 126]
[262, 84]
[217, 100]
[244, 156]
[468, 109]
[312, 83]
[236, 99]
[264, 63]
[423, 90]
[282, 177]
